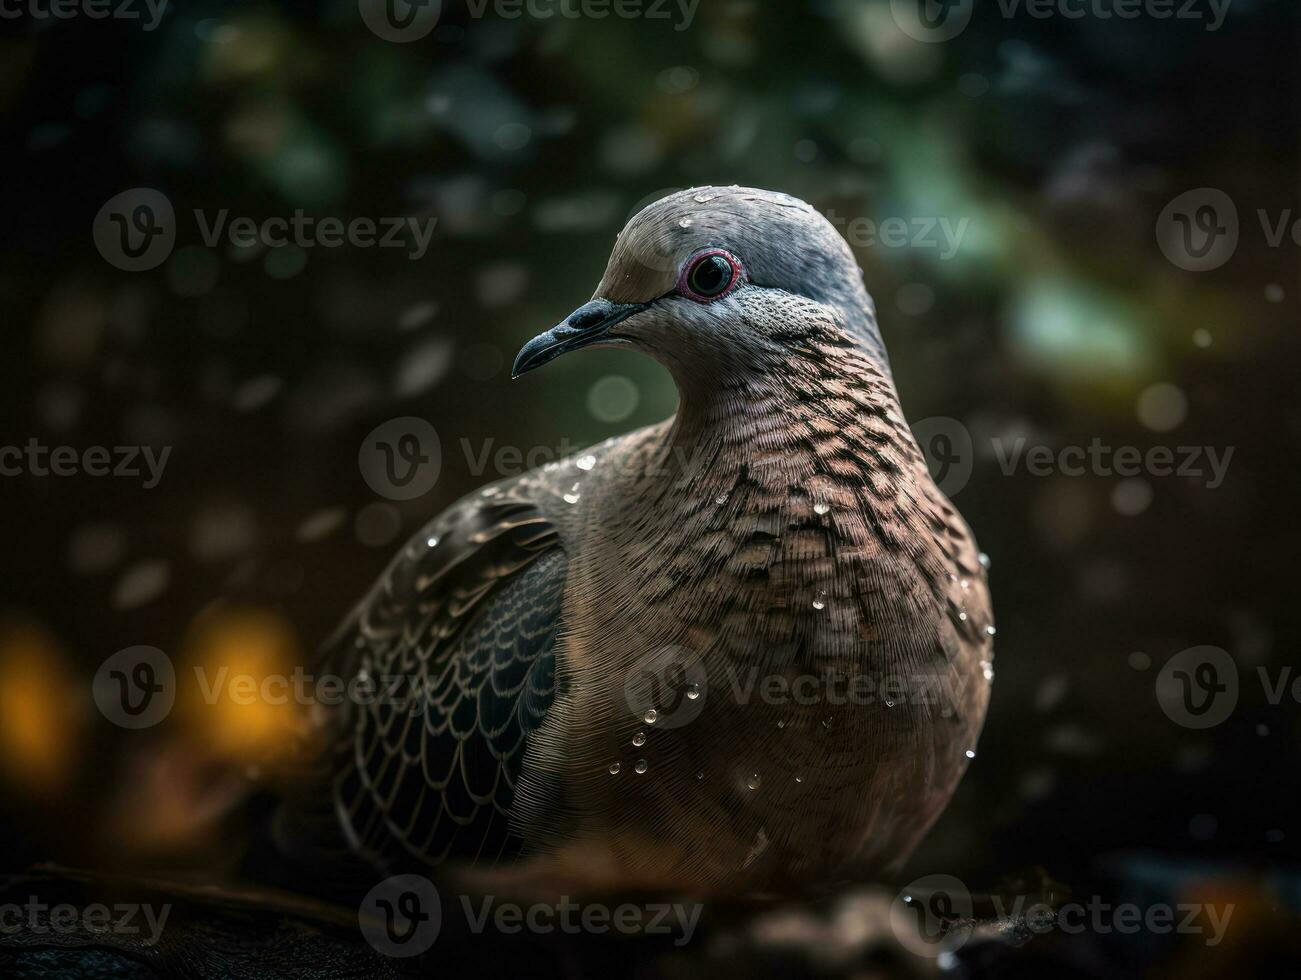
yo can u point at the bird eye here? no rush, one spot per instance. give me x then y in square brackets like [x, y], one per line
[709, 276]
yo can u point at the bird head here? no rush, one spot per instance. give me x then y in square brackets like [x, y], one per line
[724, 278]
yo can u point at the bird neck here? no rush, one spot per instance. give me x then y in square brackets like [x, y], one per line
[826, 405]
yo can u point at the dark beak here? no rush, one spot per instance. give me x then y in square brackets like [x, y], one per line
[585, 326]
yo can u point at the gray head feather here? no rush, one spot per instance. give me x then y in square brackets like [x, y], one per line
[783, 243]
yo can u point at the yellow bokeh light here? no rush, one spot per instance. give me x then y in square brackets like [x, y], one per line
[39, 716]
[244, 701]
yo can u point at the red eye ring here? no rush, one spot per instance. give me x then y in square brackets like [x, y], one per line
[705, 279]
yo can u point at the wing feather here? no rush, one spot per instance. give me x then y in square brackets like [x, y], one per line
[466, 627]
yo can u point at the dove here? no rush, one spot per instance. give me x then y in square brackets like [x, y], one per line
[746, 648]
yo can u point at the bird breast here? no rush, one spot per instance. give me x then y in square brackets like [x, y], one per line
[770, 668]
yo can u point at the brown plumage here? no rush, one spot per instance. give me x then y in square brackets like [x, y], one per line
[781, 529]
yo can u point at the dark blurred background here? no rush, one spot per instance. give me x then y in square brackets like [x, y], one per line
[1055, 144]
